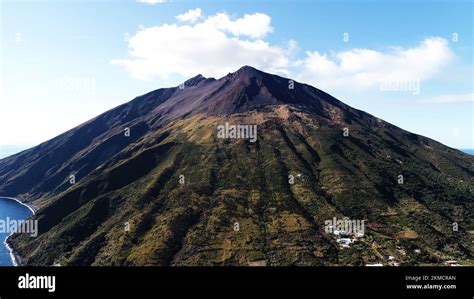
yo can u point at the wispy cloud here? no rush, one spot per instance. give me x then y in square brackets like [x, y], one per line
[450, 98]
[255, 25]
[191, 16]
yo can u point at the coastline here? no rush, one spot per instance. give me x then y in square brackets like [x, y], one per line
[16, 260]
[31, 207]
[13, 256]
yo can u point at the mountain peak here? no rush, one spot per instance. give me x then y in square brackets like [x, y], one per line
[246, 69]
[242, 91]
[244, 72]
[196, 80]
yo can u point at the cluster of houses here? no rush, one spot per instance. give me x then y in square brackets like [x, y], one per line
[345, 239]
[392, 261]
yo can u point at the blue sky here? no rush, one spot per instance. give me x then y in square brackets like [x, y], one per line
[407, 62]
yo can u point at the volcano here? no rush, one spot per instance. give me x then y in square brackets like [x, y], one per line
[150, 182]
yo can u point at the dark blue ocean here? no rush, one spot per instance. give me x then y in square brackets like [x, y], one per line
[468, 151]
[13, 210]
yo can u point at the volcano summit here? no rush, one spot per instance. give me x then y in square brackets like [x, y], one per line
[155, 185]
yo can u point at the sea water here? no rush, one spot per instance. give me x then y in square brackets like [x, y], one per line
[10, 209]
[468, 151]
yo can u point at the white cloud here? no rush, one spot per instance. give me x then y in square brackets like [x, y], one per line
[151, 2]
[213, 47]
[450, 98]
[255, 26]
[191, 15]
[218, 44]
[364, 68]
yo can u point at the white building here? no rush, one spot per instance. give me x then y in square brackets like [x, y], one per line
[374, 265]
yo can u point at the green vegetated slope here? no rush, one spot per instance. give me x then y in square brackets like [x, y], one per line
[231, 180]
